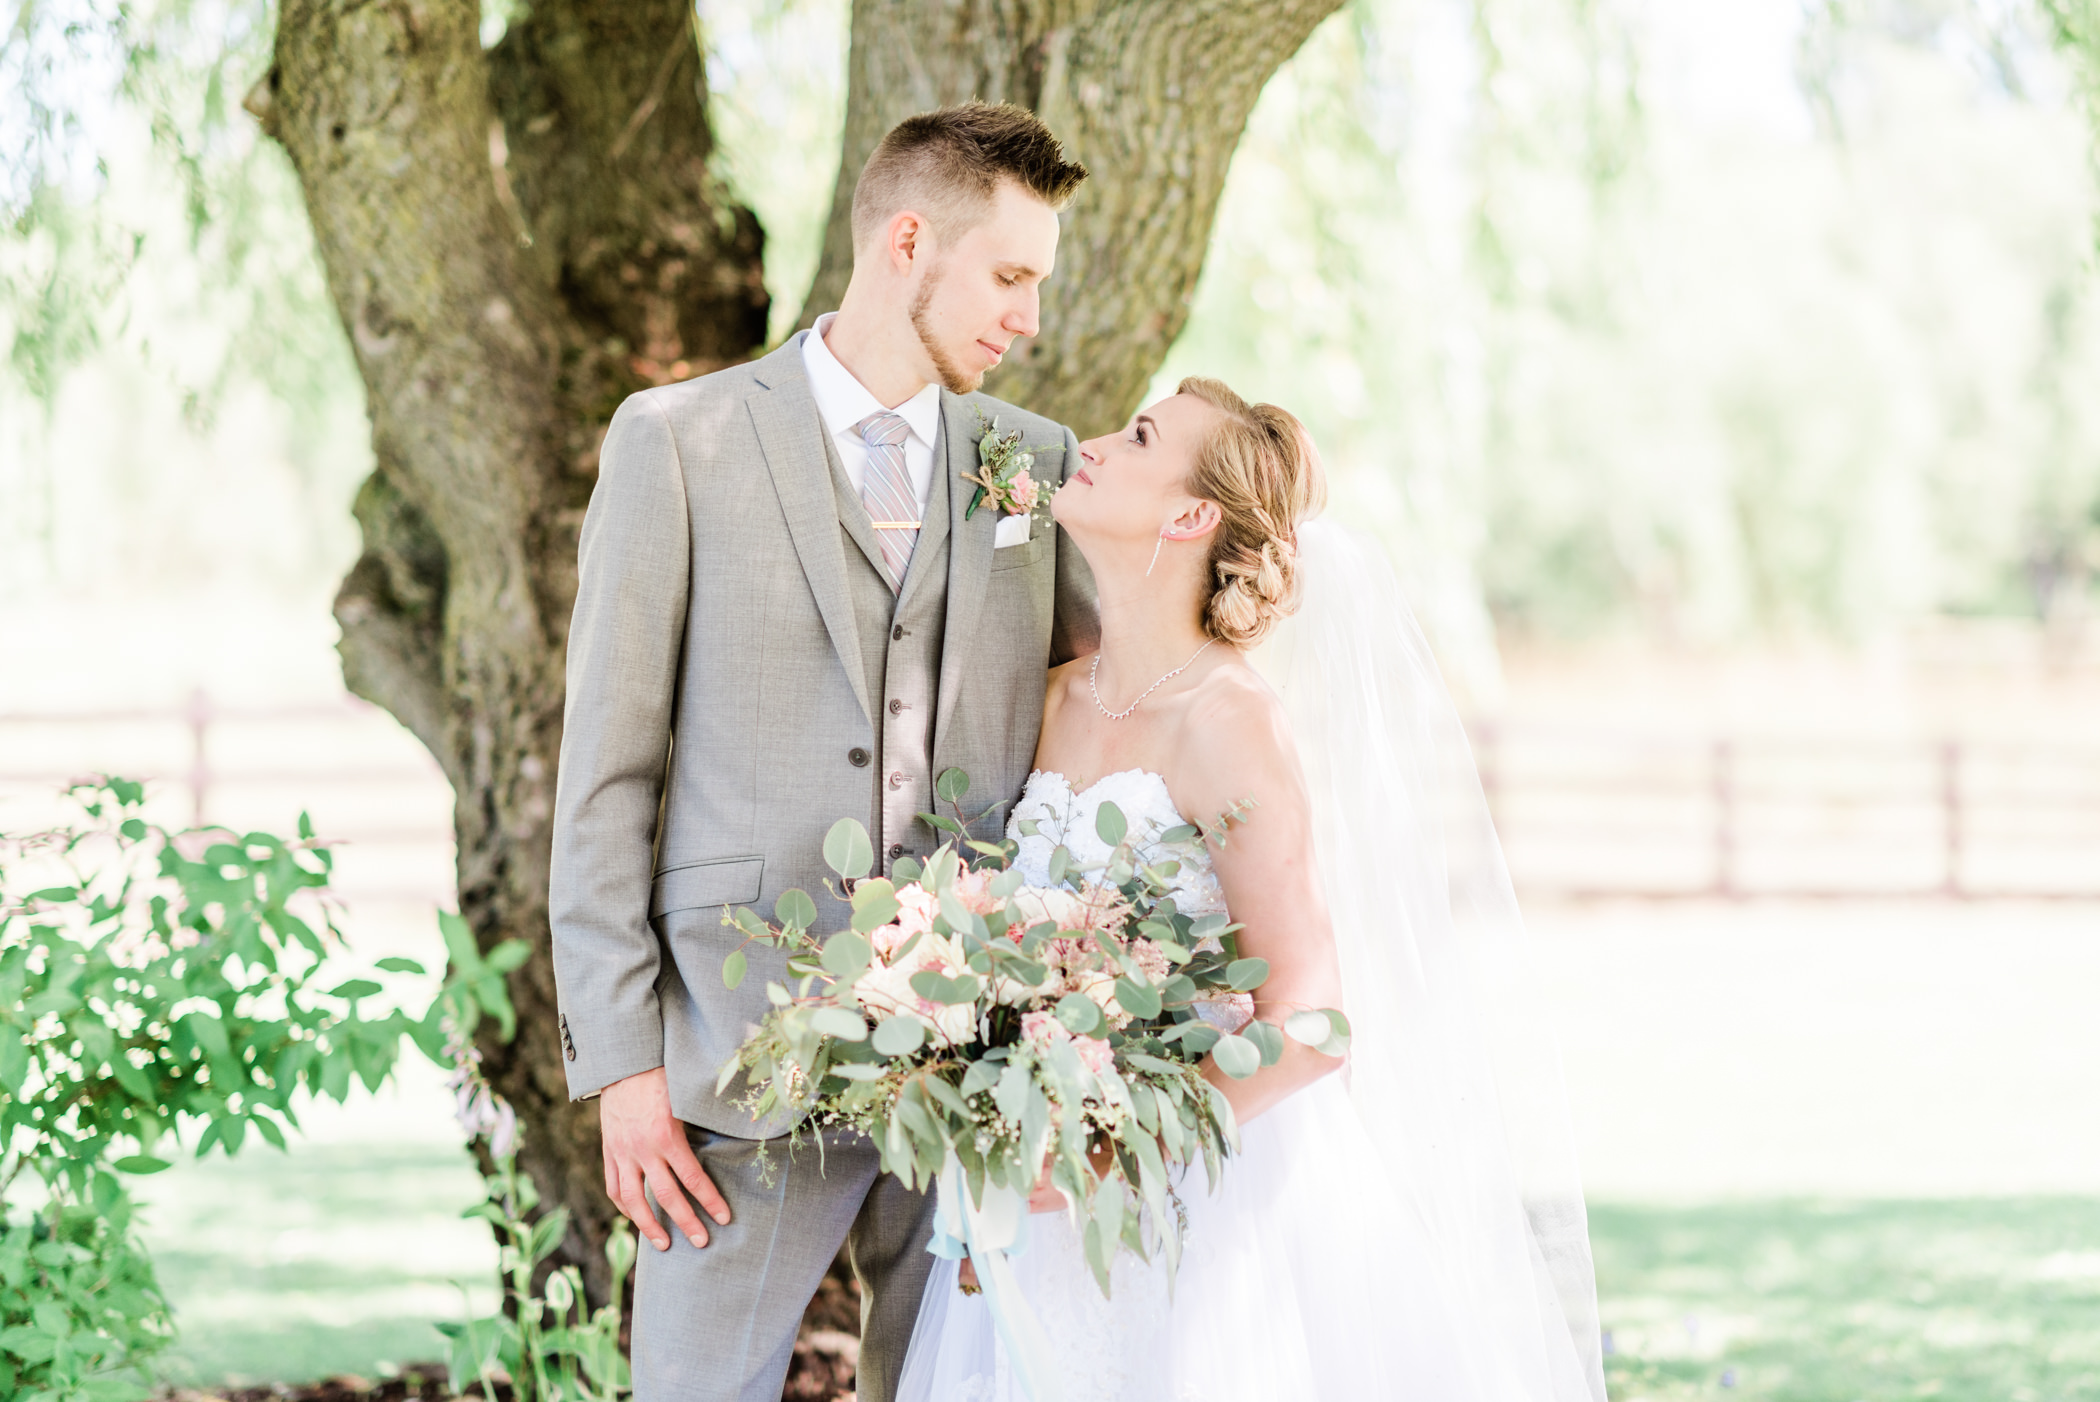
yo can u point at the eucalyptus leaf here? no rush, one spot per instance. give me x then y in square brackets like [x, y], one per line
[900, 1035]
[1236, 1056]
[847, 850]
[1080, 1014]
[950, 785]
[1268, 1037]
[1246, 975]
[1309, 1026]
[846, 954]
[733, 968]
[839, 1022]
[1110, 823]
[1136, 998]
[795, 909]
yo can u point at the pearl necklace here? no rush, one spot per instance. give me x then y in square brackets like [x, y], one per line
[1094, 673]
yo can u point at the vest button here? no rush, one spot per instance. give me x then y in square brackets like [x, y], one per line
[896, 778]
[896, 708]
[897, 634]
[896, 851]
[857, 757]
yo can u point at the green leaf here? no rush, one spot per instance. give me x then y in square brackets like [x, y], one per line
[899, 1035]
[941, 989]
[1246, 975]
[733, 968]
[795, 909]
[843, 1023]
[1309, 1026]
[1197, 1037]
[950, 785]
[846, 954]
[509, 955]
[354, 989]
[1060, 863]
[1237, 1057]
[1268, 1037]
[395, 964]
[1080, 1014]
[1137, 999]
[874, 905]
[1110, 824]
[139, 1163]
[847, 850]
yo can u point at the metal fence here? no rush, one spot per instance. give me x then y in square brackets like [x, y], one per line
[1582, 812]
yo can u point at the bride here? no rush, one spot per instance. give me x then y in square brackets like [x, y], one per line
[1407, 1225]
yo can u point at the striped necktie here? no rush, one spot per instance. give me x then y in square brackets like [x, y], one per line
[885, 489]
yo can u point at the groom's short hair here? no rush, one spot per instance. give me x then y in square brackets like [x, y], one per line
[947, 165]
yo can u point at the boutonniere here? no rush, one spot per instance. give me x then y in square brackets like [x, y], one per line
[1002, 477]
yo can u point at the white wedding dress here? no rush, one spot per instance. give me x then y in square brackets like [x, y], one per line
[1408, 1228]
[1275, 1298]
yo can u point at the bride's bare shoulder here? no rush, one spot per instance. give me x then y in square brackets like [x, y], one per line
[1061, 682]
[1236, 740]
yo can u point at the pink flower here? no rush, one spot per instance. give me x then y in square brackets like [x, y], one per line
[1095, 1053]
[974, 890]
[1023, 491]
[916, 907]
[1151, 958]
[887, 941]
[1042, 1030]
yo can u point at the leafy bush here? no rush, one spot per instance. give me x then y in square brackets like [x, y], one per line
[150, 981]
[546, 1342]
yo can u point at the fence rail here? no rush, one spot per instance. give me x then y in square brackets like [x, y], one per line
[1582, 812]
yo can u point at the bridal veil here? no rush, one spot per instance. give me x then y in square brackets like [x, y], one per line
[1453, 1072]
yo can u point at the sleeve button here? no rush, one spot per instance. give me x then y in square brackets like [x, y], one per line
[857, 757]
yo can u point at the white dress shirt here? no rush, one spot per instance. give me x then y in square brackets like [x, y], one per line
[843, 402]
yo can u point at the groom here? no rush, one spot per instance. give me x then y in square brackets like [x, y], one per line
[783, 618]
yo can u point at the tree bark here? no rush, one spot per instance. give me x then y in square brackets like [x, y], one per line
[519, 238]
[516, 241]
[1151, 96]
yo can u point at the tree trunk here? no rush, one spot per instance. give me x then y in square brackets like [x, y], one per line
[1151, 96]
[519, 238]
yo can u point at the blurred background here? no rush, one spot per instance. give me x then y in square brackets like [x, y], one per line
[1724, 376]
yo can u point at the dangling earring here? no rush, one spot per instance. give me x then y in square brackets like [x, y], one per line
[1155, 554]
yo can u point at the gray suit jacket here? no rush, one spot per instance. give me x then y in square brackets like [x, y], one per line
[723, 702]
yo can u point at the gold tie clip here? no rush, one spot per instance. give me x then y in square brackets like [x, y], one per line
[895, 525]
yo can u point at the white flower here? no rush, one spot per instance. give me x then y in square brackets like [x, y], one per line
[1099, 985]
[1062, 908]
[885, 990]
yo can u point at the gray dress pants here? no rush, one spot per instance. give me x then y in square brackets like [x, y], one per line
[717, 1323]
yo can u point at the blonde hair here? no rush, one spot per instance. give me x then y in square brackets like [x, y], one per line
[1258, 464]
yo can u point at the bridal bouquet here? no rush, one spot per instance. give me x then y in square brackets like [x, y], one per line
[976, 1028]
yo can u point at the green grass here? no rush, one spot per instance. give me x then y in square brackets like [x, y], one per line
[329, 1259]
[337, 1258]
[1990, 1300]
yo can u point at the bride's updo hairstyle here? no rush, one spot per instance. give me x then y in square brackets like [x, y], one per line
[1258, 464]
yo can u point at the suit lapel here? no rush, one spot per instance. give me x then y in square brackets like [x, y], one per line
[969, 554]
[792, 438]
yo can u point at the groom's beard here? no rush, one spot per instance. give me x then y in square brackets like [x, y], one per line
[952, 377]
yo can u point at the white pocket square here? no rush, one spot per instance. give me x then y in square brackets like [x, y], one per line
[1013, 530]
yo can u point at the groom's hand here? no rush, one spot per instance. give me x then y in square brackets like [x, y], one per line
[645, 1146]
